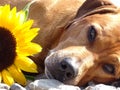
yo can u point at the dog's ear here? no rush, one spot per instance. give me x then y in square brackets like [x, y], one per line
[91, 5]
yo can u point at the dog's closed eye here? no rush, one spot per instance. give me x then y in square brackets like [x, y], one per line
[91, 34]
[109, 68]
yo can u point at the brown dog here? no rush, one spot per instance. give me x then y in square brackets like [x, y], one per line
[89, 48]
[81, 49]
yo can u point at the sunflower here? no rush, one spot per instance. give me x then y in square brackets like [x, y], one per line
[16, 45]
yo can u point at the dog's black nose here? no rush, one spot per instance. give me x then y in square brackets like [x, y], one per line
[64, 69]
[68, 68]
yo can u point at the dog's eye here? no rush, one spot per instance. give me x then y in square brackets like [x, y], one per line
[91, 34]
[109, 68]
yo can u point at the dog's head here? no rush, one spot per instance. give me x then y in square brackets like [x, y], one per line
[89, 49]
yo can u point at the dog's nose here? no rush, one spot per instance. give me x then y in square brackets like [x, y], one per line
[68, 68]
[64, 70]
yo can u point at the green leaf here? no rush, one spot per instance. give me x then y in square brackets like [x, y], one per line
[29, 77]
[26, 9]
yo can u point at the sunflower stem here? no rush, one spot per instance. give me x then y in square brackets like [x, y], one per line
[26, 9]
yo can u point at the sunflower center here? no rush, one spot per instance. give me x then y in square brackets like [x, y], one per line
[7, 48]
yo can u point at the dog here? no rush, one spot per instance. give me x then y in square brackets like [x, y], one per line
[89, 47]
[80, 39]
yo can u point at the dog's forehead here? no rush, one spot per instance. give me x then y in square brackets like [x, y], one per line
[107, 21]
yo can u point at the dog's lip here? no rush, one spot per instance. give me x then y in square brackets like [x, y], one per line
[48, 74]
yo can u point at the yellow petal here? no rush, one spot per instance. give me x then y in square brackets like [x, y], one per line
[24, 28]
[29, 35]
[12, 20]
[32, 34]
[21, 15]
[30, 49]
[17, 75]
[26, 64]
[0, 77]
[3, 20]
[7, 78]
[34, 48]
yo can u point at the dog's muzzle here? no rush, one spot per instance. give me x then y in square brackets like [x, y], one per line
[68, 66]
